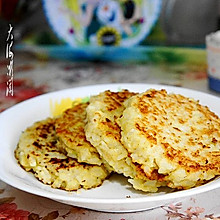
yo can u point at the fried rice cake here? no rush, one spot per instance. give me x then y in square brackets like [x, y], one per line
[70, 133]
[36, 152]
[173, 136]
[103, 133]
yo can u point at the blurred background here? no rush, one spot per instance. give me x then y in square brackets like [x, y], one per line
[168, 35]
[179, 23]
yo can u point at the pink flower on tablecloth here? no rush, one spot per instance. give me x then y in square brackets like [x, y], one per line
[22, 89]
[175, 211]
[9, 211]
[194, 211]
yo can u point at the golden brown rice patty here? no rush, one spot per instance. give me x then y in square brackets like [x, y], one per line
[71, 136]
[37, 152]
[103, 132]
[173, 136]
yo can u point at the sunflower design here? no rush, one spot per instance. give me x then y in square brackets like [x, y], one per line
[108, 36]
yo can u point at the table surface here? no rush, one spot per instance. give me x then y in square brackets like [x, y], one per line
[37, 73]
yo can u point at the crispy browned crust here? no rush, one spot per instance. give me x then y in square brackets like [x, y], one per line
[113, 102]
[204, 155]
[71, 135]
[43, 140]
[182, 135]
[70, 126]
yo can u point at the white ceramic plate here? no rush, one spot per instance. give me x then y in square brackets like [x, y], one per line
[115, 195]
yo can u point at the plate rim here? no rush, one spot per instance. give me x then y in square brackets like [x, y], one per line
[147, 198]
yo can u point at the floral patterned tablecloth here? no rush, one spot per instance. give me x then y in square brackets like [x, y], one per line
[35, 74]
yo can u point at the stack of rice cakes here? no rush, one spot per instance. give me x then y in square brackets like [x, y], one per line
[154, 138]
[40, 151]
[104, 133]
